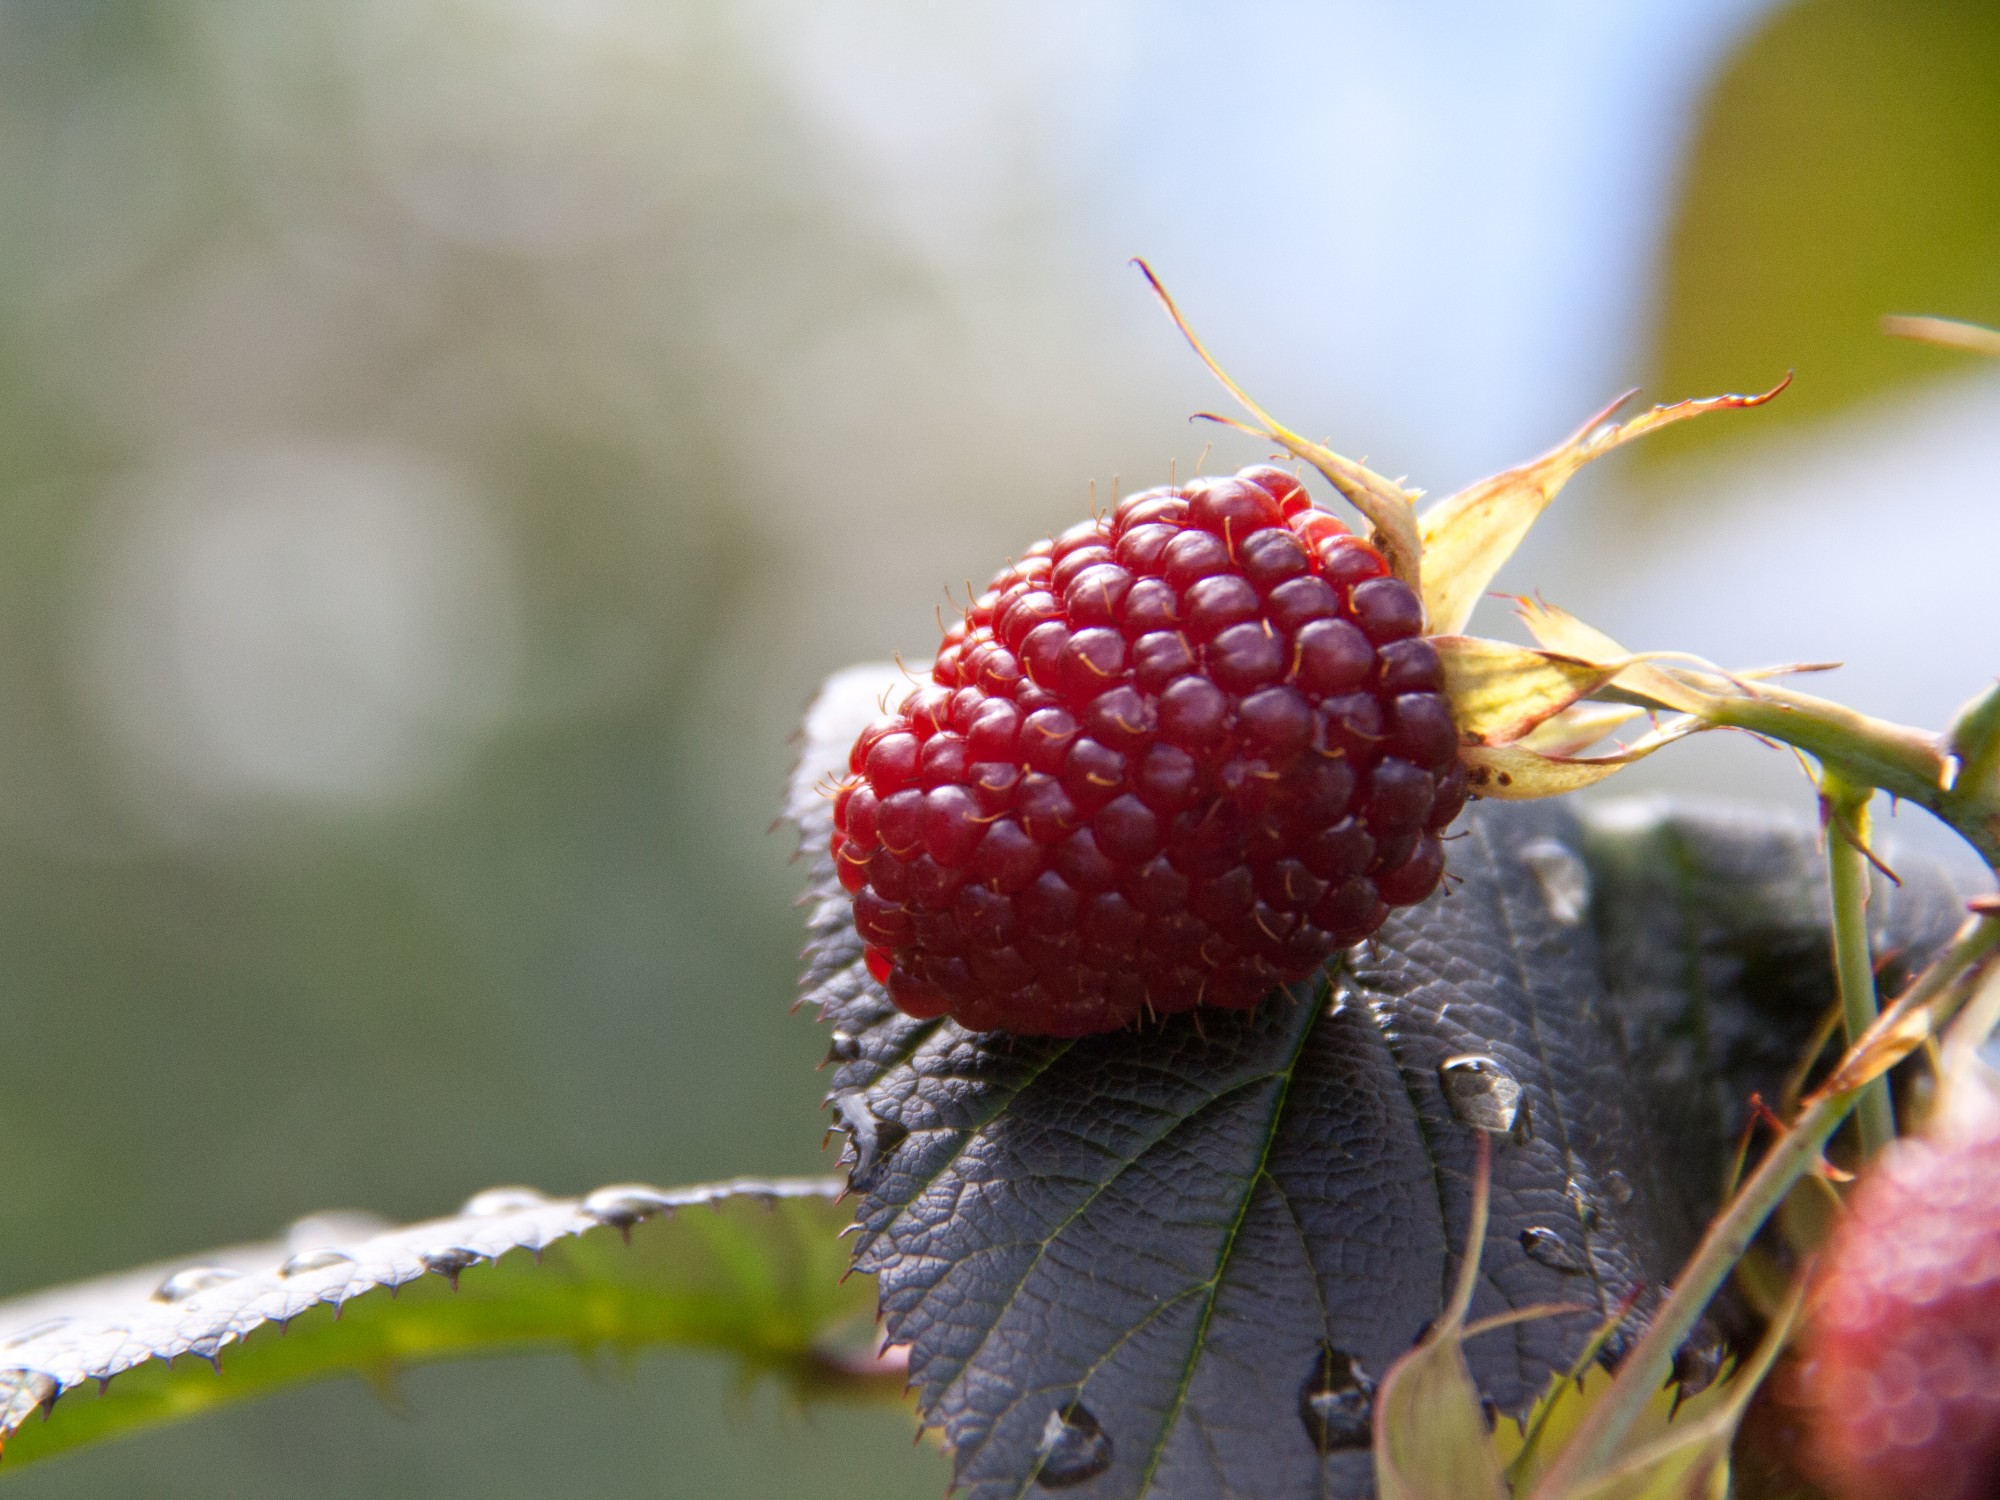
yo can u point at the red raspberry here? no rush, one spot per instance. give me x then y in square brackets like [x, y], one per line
[1177, 756]
[1900, 1368]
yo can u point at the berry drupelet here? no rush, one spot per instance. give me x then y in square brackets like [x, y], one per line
[1176, 757]
[1896, 1377]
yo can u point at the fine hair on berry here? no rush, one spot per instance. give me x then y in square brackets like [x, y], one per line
[1175, 757]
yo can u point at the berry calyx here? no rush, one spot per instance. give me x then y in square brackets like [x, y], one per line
[1178, 756]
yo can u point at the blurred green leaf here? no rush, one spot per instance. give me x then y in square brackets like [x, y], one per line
[1846, 166]
[749, 1269]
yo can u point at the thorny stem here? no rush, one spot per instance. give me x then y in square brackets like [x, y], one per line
[1974, 744]
[1604, 1428]
[1846, 808]
[1863, 751]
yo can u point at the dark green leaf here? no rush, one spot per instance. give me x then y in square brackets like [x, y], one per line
[1152, 1248]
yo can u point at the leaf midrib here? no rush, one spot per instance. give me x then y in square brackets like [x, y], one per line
[1213, 1286]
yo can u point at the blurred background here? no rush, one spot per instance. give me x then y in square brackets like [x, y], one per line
[443, 442]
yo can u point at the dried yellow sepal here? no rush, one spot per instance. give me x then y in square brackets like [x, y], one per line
[1501, 692]
[1514, 773]
[1468, 536]
[1577, 728]
[1522, 714]
[1391, 510]
[1558, 630]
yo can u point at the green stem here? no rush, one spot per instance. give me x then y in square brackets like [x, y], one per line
[1974, 738]
[1853, 964]
[1904, 762]
[1605, 1426]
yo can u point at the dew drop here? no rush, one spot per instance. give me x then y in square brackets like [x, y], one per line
[1580, 1200]
[1548, 1248]
[1563, 878]
[844, 1048]
[625, 1205]
[1073, 1449]
[341, 1227]
[1618, 1188]
[1481, 1091]
[502, 1200]
[314, 1260]
[1524, 1125]
[184, 1284]
[1337, 1402]
[450, 1261]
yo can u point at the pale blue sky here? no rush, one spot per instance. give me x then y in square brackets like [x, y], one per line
[1437, 222]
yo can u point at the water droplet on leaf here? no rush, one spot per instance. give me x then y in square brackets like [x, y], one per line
[1524, 1125]
[1480, 1090]
[502, 1200]
[450, 1261]
[314, 1260]
[1563, 878]
[1073, 1449]
[843, 1048]
[1618, 1187]
[1585, 1206]
[184, 1284]
[625, 1205]
[1337, 1402]
[1548, 1248]
[341, 1227]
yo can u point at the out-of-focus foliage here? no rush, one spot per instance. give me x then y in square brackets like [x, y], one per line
[400, 626]
[1847, 165]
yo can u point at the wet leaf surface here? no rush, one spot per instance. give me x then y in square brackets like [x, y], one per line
[1180, 1231]
[747, 1268]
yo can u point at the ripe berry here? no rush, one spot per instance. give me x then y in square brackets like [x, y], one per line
[1902, 1344]
[1175, 757]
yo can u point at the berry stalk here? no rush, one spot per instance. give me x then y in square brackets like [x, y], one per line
[1846, 814]
[1907, 763]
